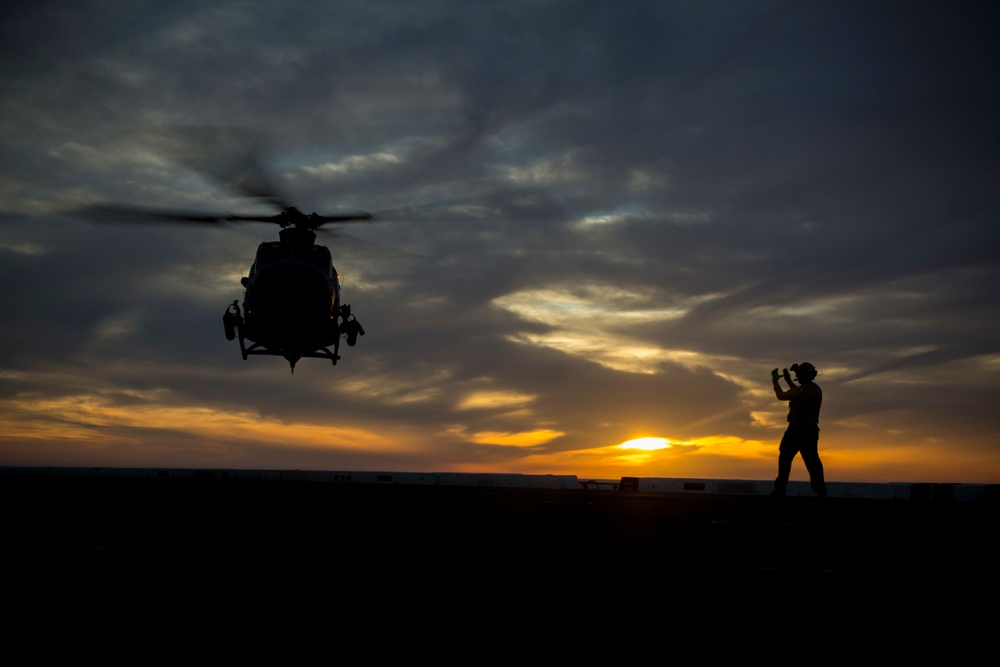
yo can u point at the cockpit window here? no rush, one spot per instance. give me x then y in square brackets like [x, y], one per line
[320, 256]
[317, 255]
[269, 252]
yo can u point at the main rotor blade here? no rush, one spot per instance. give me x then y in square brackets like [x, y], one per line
[230, 156]
[512, 203]
[288, 217]
[126, 214]
[294, 217]
[277, 219]
[358, 216]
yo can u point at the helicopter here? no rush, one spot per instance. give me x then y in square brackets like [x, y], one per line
[291, 299]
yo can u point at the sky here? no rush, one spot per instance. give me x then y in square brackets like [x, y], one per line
[598, 227]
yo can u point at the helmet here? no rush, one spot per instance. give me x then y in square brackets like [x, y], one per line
[804, 369]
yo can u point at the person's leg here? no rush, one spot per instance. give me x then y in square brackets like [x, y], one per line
[810, 456]
[786, 454]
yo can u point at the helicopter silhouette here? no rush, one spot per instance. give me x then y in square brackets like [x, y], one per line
[292, 297]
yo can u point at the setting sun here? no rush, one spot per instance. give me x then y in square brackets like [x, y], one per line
[648, 444]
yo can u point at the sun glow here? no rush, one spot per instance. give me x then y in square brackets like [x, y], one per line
[647, 444]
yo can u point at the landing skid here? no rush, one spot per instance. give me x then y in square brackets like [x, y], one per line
[233, 321]
[319, 353]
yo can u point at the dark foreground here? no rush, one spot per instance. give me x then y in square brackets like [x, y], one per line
[233, 546]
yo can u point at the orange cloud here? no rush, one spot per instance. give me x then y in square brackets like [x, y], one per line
[522, 439]
[98, 419]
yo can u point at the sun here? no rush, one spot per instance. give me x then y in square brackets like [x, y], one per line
[647, 444]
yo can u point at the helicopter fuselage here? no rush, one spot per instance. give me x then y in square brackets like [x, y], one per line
[291, 302]
[292, 297]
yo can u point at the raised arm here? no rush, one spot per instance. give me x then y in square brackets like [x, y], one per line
[778, 391]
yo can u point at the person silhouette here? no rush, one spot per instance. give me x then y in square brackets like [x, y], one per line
[802, 434]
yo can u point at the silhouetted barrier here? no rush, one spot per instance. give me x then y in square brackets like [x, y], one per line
[918, 492]
[496, 480]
